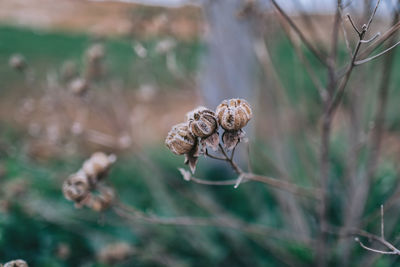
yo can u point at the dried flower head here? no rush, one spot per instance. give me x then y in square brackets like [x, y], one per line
[95, 52]
[76, 188]
[202, 122]
[180, 140]
[233, 114]
[115, 253]
[78, 86]
[16, 263]
[103, 200]
[97, 165]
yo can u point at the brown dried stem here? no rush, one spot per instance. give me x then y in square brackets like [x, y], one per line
[307, 43]
[249, 176]
[132, 214]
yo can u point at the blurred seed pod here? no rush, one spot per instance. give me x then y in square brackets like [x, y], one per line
[95, 52]
[97, 166]
[17, 62]
[180, 140]
[202, 122]
[94, 65]
[69, 70]
[77, 188]
[16, 263]
[102, 201]
[115, 253]
[233, 114]
[63, 251]
[78, 86]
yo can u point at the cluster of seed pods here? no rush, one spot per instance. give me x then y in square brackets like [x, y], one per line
[201, 129]
[79, 187]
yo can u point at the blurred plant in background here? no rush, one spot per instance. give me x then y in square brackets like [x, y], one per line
[319, 160]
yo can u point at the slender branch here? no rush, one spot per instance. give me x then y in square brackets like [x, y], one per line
[389, 33]
[346, 39]
[284, 185]
[374, 250]
[132, 214]
[357, 233]
[316, 53]
[382, 224]
[371, 39]
[235, 167]
[380, 239]
[353, 25]
[359, 62]
[372, 15]
[212, 156]
[209, 182]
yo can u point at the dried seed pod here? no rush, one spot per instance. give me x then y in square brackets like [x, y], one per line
[180, 140]
[102, 201]
[76, 188]
[78, 86]
[116, 253]
[233, 114]
[202, 122]
[97, 165]
[17, 62]
[16, 263]
[95, 52]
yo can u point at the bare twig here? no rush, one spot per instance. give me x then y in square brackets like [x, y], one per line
[389, 33]
[315, 52]
[249, 176]
[371, 39]
[346, 39]
[359, 62]
[382, 224]
[381, 239]
[132, 214]
[353, 25]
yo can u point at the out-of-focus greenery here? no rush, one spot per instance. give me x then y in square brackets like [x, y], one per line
[45, 51]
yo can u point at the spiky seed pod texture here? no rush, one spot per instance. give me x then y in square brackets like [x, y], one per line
[76, 188]
[233, 114]
[16, 263]
[180, 140]
[97, 165]
[202, 122]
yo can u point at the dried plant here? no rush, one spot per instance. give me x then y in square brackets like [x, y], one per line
[15, 263]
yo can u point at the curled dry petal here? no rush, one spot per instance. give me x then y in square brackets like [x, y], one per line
[211, 141]
[192, 157]
[180, 140]
[232, 138]
[202, 122]
[233, 114]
